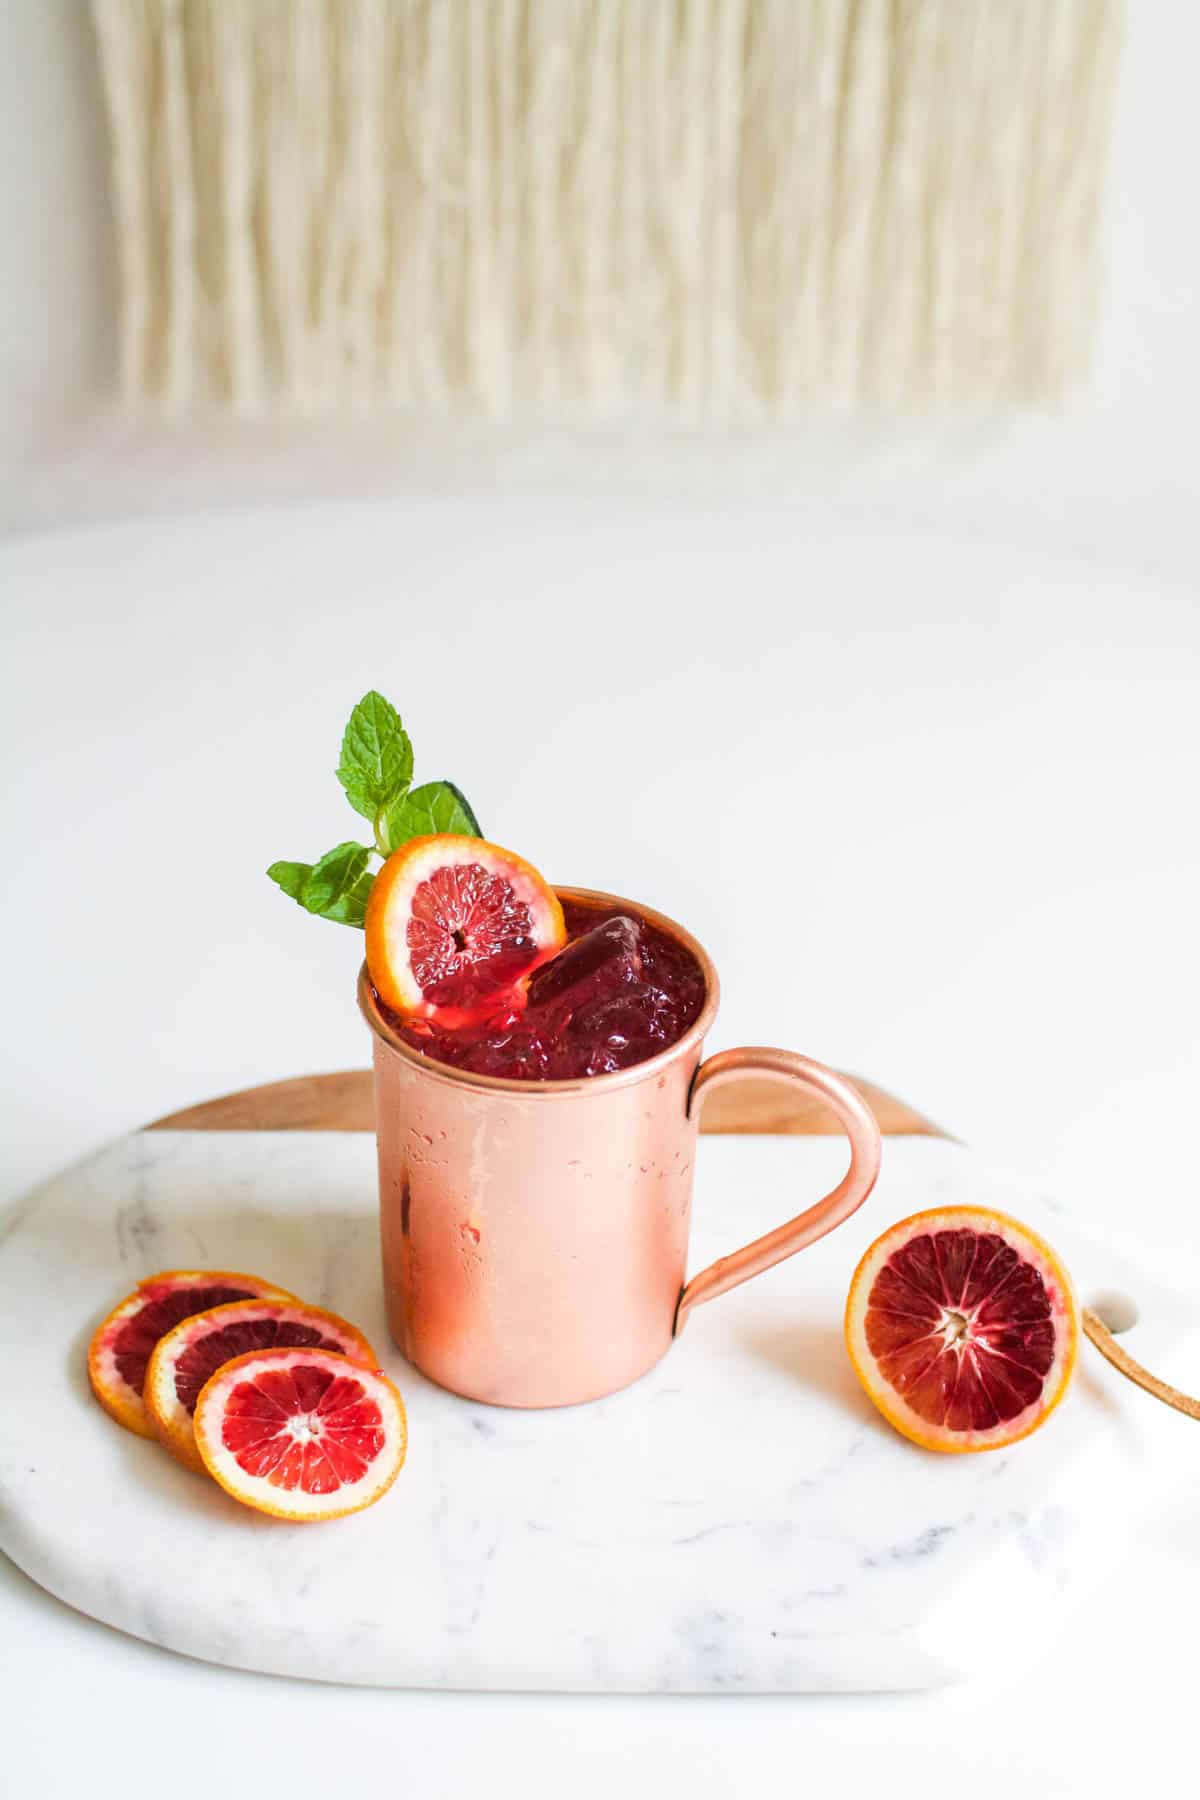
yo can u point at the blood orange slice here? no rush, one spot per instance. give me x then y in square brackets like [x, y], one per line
[301, 1434]
[120, 1348]
[454, 924]
[187, 1357]
[962, 1326]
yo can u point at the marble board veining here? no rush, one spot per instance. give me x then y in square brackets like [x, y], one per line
[741, 1521]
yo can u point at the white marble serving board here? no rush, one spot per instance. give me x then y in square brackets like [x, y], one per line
[740, 1521]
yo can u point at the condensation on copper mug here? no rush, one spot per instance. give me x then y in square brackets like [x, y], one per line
[533, 1254]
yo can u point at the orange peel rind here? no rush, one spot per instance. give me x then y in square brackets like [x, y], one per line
[453, 924]
[122, 1344]
[301, 1434]
[963, 1327]
[184, 1360]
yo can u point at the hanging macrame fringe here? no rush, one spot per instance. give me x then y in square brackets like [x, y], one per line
[725, 208]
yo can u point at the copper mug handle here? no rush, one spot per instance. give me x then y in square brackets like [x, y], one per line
[866, 1146]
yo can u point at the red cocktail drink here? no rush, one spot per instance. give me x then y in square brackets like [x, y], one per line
[620, 991]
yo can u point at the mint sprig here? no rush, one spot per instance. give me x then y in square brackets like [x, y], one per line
[375, 769]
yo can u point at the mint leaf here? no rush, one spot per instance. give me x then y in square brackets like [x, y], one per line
[336, 888]
[291, 877]
[376, 763]
[435, 808]
[339, 885]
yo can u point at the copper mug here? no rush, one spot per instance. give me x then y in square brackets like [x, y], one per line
[535, 1233]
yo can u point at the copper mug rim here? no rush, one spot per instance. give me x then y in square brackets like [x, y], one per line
[692, 1038]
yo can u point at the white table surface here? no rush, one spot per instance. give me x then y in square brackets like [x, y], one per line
[972, 775]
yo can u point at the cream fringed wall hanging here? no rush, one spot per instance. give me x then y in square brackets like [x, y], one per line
[731, 208]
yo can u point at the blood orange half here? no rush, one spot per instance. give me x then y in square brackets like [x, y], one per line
[453, 924]
[121, 1346]
[963, 1328]
[301, 1434]
[187, 1357]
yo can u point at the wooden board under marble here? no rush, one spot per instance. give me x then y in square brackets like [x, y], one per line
[344, 1102]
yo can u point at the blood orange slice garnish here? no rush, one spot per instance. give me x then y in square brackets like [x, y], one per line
[122, 1345]
[963, 1328]
[455, 925]
[186, 1358]
[302, 1434]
